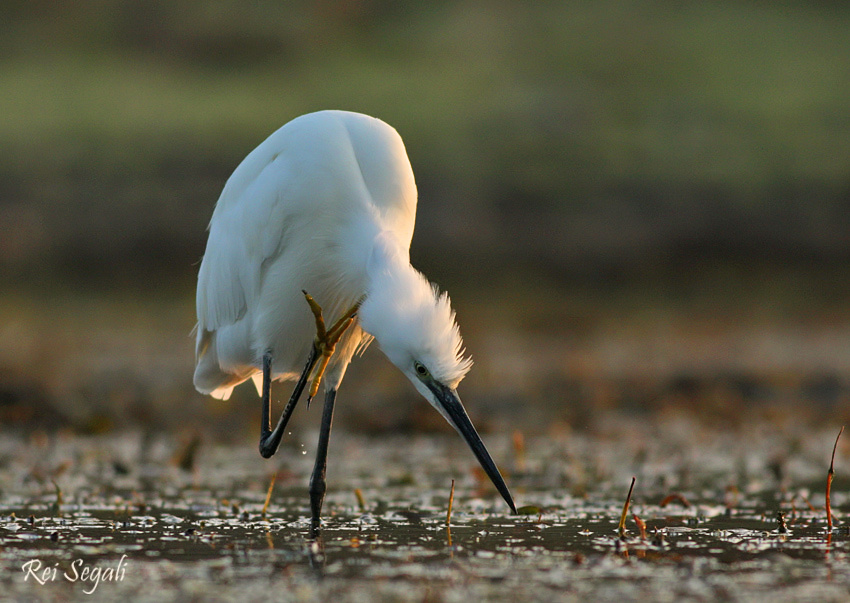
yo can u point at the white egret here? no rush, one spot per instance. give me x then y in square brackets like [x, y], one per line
[325, 205]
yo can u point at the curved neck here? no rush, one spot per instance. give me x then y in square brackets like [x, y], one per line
[390, 280]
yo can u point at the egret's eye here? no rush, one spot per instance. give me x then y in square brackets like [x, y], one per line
[420, 369]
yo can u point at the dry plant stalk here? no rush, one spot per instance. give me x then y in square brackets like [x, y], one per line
[451, 502]
[829, 477]
[57, 506]
[269, 495]
[361, 502]
[187, 455]
[622, 528]
[730, 497]
[59, 497]
[641, 524]
[808, 502]
[674, 497]
[519, 449]
[782, 527]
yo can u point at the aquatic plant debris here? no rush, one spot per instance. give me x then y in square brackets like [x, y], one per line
[361, 502]
[780, 519]
[621, 528]
[203, 535]
[528, 510]
[57, 505]
[829, 477]
[518, 440]
[451, 502]
[675, 497]
[641, 526]
[186, 456]
[269, 494]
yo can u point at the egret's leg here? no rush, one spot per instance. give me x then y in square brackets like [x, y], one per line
[270, 438]
[317, 480]
[326, 339]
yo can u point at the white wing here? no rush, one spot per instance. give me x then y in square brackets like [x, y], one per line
[302, 190]
[247, 230]
[314, 161]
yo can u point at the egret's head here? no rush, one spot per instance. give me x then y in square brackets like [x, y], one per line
[415, 327]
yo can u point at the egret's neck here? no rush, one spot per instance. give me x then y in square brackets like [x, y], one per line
[389, 274]
[411, 320]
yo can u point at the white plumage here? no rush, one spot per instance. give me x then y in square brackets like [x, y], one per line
[326, 204]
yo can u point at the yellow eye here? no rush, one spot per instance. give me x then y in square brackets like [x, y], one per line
[420, 369]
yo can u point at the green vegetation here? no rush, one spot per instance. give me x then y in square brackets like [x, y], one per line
[563, 130]
[642, 205]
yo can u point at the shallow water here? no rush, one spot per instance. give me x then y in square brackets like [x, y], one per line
[100, 517]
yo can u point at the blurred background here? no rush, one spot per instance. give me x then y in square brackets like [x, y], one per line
[638, 208]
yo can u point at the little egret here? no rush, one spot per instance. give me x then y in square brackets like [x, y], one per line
[322, 212]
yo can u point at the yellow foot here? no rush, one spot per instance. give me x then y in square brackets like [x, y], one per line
[326, 339]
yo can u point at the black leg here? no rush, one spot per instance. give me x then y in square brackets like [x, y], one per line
[317, 480]
[270, 439]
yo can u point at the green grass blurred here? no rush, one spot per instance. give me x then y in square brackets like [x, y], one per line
[563, 130]
[621, 196]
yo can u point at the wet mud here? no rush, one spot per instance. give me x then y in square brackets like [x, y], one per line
[128, 515]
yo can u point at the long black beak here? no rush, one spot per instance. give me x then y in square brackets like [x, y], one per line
[450, 402]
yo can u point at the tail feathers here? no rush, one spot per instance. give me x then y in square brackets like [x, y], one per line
[222, 393]
[209, 377]
[257, 378]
